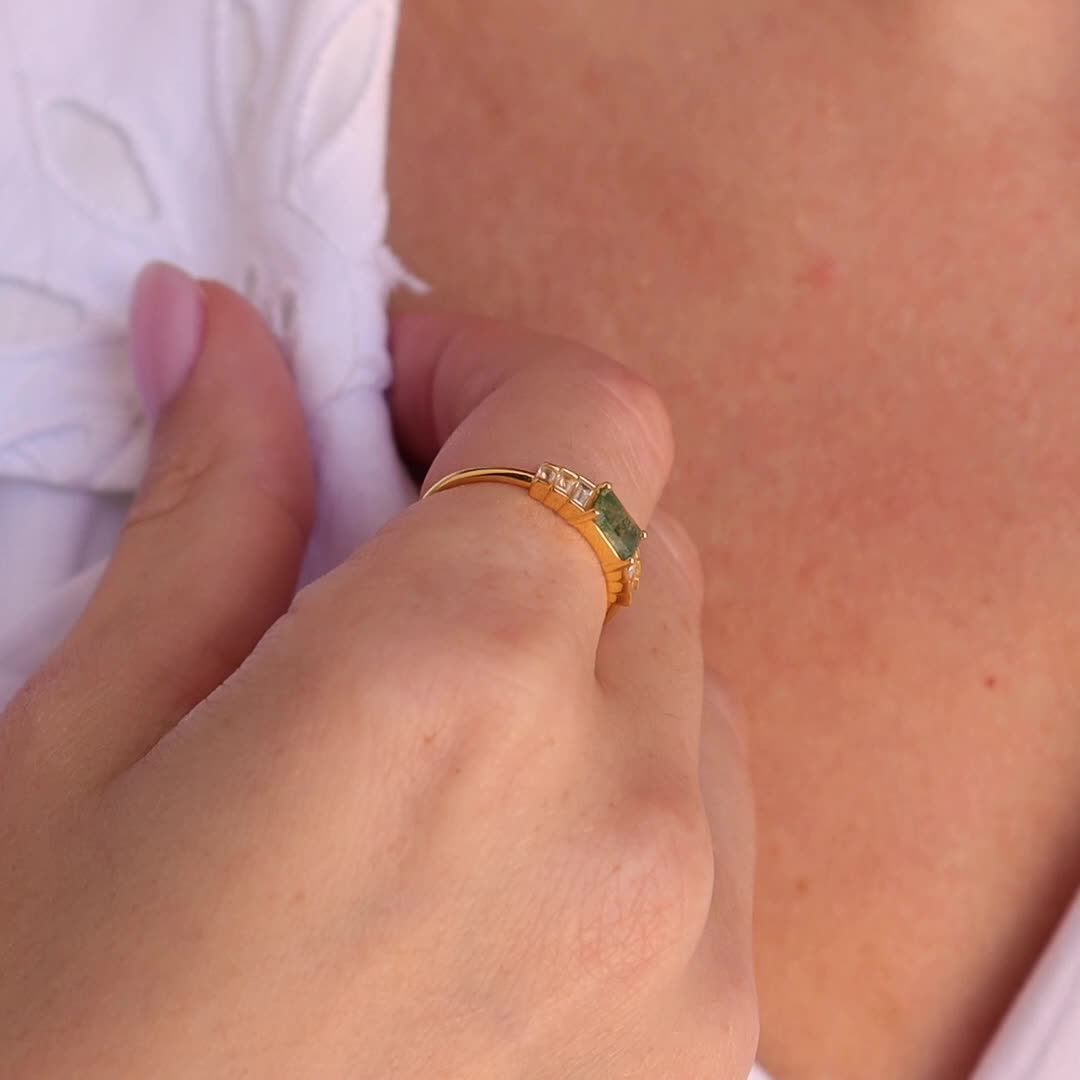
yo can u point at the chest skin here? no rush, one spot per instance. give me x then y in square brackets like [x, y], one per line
[844, 238]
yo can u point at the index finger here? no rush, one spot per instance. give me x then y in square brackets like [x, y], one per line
[473, 393]
[466, 386]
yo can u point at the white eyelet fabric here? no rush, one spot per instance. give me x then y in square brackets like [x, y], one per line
[241, 139]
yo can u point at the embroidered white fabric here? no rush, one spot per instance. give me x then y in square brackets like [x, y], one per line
[241, 139]
[244, 140]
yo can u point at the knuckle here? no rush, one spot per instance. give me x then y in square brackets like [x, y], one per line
[513, 648]
[171, 484]
[479, 617]
[639, 401]
[468, 697]
[450, 658]
[650, 887]
[487, 669]
[460, 733]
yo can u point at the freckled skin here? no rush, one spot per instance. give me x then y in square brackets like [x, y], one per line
[845, 240]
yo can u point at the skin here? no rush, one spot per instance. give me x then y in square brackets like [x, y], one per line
[843, 240]
[430, 817]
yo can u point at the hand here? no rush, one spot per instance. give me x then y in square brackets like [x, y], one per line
[431, 818]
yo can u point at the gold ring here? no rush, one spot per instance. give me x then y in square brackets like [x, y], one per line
[593, 509]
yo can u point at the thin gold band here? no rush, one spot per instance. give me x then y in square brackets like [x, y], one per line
[517, 477]
[593, 509]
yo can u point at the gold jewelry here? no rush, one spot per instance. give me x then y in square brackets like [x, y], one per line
[593, 509]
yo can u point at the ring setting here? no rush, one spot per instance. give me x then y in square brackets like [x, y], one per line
[594, 510]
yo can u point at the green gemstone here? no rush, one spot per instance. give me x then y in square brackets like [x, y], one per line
[619, 528]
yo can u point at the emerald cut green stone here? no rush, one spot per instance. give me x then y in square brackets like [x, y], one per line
[619, 528]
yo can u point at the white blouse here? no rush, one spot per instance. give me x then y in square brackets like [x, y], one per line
[241, 139]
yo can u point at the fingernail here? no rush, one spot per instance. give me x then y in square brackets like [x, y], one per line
[168, 315]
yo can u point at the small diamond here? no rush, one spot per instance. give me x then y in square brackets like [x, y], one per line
[565, 482]
[582, 493]
[546, 474]
[632, 571]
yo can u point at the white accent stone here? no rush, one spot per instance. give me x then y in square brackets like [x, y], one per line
[582, 493]
[565, 483]
[547, 474]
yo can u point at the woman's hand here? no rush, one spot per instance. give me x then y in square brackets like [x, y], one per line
[433, 818]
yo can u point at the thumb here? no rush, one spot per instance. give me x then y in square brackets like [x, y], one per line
[210, 553]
